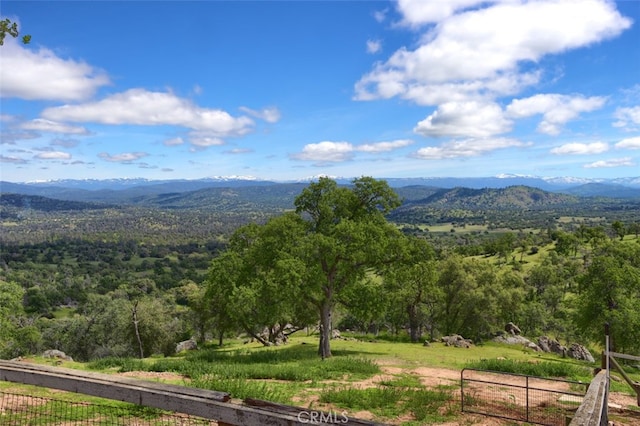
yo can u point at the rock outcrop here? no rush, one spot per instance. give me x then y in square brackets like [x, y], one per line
[457, 341]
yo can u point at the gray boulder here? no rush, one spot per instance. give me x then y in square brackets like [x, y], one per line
[514, 339]
[187, 345]
[457, 341]
[56, 354]
[551, 345]
[579, 352]
[512, 329]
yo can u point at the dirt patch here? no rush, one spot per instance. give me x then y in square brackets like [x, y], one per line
[157, 376]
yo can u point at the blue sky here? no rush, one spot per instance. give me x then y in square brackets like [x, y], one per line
[288, 90]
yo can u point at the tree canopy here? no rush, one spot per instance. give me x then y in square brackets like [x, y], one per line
[7, 27]
[302, 262]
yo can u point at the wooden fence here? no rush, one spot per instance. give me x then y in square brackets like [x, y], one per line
[593, 410]
[197, 402]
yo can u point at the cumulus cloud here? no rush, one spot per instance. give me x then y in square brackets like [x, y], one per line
[483, 44]
[555, 109]
[466, 148]
[270, 115]
[629, 143]
[380, 15]
[42, 75]
[419, 12]
[465, 119]
[53, 155]
[49, 126]
[615, 162]
[201, 140]
[627, 116]
[384, 146]
[326, 151]
[142, 107]
[335, 152]
[581, 148]
[374, 46]
[125, 157]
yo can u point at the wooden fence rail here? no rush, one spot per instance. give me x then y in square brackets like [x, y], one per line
[593, 410]
[612, 359]
[198, 402]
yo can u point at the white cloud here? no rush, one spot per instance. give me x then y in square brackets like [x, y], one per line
[203, 141]
[173, 141]
[12, 160]
[418, 12]
[482, 45]
[237, 151]
[384, 146]
[53, 127]
[12, 136]
[465, 119]
[380, 15]
[616, 162]
[626, 116]
[581, 148]
[329, 151]
[41, 75]
[141, 107]
[125, 157]
[270, 115]
[629, 143]
[53, 155]
[466, 148]
[374, 46]
[326, 151]
[556, 109]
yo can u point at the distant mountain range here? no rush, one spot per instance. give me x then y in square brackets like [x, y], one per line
[177, 193]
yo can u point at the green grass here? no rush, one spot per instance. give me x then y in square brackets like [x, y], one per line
[241, 388]
[293, 363]
[392, 401]
[538, 369]
[294, 374]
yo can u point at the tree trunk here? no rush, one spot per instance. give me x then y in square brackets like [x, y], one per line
[134, 312]
[414, 323]
[324, 348]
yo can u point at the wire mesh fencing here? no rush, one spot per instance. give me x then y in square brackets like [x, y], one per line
[26, 410]
[518, 397]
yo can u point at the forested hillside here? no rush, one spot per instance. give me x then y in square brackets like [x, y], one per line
[412, 263]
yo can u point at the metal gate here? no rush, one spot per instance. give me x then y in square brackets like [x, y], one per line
[520, 397]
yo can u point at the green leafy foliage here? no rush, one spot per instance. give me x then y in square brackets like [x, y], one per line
[338, 258]
[7, 27]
